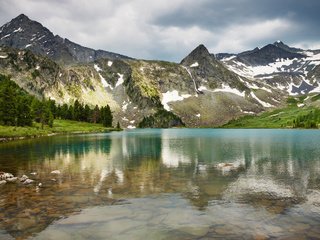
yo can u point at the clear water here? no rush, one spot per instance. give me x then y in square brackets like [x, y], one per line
[164, 184]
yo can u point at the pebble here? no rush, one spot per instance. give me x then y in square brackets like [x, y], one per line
[24, 178]
[28, 181]
[56, 172]
[3, 182]
[12, 180]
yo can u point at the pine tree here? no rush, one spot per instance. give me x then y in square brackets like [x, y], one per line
[24, 116]
[107, 117]
[86, 113]
[76, 115]
[96, 114]
[7, 102]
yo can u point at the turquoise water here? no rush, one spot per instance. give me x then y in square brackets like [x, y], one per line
[164, 184]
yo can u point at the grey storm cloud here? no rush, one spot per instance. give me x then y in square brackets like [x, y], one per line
[170, 29]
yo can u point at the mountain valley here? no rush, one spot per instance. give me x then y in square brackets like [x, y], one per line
[204, 90]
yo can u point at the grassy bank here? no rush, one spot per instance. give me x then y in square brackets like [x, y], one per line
[59, 127]
[279, 118]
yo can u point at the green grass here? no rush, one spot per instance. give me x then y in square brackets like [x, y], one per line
[59, 127]
[315, 98]
[279, 118]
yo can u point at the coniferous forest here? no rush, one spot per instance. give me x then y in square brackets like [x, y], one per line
[18, 108]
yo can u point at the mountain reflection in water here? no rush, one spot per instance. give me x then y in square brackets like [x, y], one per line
[277, 173]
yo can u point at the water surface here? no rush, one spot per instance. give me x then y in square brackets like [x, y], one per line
[164, 184]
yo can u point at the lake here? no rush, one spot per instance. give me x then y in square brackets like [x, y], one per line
[164, 184]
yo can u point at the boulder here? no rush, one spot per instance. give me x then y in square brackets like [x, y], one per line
[56, 172]
[12, 180]
[4, 175]
[24, 178]
[28, 181]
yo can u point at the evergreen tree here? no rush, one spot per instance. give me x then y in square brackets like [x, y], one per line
[70, 113]
[7, 102]
[53, 107]
[96, 114]
[107, 117]
[76, 111]
[41, 112]
[24, 117]
[86, 113]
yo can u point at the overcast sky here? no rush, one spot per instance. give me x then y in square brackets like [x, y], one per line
[170, 29]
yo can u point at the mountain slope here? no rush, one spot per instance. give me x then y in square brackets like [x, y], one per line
[291, 70]
[23, 33]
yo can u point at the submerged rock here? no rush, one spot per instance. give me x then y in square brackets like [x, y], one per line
[56, 172]
[24, 178]
[12, 180]
[4, 175]
[227, 167]
[28, 181]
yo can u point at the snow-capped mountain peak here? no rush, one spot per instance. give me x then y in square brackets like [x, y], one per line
[279, 65]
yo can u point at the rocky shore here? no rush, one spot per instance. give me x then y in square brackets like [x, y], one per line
[10, 178]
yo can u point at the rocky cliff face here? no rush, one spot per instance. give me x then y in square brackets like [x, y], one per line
[203, 90]
[23, 33]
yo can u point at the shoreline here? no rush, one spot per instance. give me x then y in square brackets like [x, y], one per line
[5, 139]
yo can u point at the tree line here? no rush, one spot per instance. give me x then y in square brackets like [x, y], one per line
[18, 108]
[309, 120]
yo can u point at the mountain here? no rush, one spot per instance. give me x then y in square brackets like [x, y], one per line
[289, 69]
[203, 90]
[268, 54]
[23, 33]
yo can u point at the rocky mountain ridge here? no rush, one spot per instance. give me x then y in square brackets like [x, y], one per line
[23, 33]
[286, 68]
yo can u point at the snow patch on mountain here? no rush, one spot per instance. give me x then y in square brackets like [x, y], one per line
[97, 68]
[196, 64]
[279, 66]
[316, 90]
[194, 82]
[172, 96]
[227, 88]
[124, 106]
[264, 104]
[120, 80]
[8, 35]
[18, 30]
[105, 84]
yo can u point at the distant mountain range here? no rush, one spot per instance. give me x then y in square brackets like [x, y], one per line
[205, 89]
